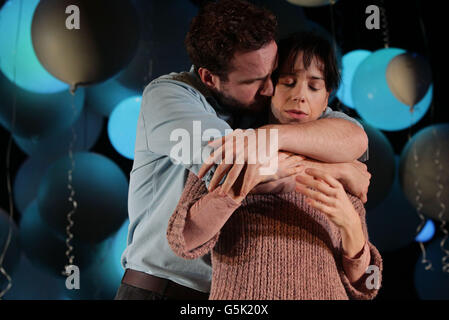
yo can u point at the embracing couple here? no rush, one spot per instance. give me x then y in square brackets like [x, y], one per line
[223, 229]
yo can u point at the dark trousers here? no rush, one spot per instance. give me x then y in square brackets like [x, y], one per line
[127, 292]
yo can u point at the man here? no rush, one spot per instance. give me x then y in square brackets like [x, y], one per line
[232, 46]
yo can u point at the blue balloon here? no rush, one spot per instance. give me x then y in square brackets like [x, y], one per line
[350, 61]
[12, 255]
[20, 64]
[101, 194]
[393, 223]
[27, 180]
[102, 279]
[427, 232]
[87, 130]
[122, 126]
[46, 249]
[104, 97]
[37, 114]
[31, 283]
[373, 99]
[432, 284]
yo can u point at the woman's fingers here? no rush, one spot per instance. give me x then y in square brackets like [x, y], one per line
[309, 181]
[218, 175]
[319, 174]
[316, 195]
[320, 206]
[231, 178]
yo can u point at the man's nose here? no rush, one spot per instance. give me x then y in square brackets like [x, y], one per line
[268, 88]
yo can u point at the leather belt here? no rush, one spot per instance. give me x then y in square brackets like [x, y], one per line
[161, 286]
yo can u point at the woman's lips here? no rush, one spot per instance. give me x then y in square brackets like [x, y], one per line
[296, 114]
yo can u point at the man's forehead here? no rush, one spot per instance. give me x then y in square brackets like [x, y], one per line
[256, 63]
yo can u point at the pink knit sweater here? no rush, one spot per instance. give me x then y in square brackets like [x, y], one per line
[274, 246]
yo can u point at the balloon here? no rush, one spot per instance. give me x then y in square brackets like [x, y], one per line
[87, 130]
[102, 279]
[47, 250]
[409, 78]
[392, 224]
[380, 164]
[12, 255]
[36, 114]
[27, 180]
[104, 43]
[432, 284]
[350, 61]
[104, 97]
[160, 50]
[427, 232]
[424, 170]
[311, 3]
[29, 281]
[373, 99]
[122, 126]
[18, 61]
[101, 193]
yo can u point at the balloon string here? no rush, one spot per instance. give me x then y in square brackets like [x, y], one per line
[418, 199]
[71, 257]
[445, 258]
[8, 168]
[385, 32]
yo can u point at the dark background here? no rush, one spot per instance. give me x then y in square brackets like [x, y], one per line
[412, 25]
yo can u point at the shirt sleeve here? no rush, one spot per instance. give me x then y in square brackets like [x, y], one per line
[194, 228]
[329, 113]
[178, 124]
[355, 267]
[367, 286]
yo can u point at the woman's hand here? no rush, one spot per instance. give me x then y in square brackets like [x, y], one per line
[330, 198]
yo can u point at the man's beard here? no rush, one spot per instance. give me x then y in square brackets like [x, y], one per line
[260, 104]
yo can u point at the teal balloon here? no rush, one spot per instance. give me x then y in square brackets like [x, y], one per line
[18, 61]
[13, 251]
[87, 129]
[101, 193]
[101, 280]
[37, 114]
[27, 181]
[104, 97]
[374, 101]
[432, 284]
[350, 63]
[393, 223]
[424, 171]
[31, 283]
[46, 249]
[122, 126]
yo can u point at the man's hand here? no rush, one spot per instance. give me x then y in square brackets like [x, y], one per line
[254, 148]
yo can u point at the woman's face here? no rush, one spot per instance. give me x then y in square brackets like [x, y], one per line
[300, 94]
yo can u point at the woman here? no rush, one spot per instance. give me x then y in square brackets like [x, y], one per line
[303, 244]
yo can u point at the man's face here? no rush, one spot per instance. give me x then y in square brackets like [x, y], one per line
[301, 94]
[249, 85]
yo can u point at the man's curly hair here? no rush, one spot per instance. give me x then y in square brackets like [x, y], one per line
[225, 27]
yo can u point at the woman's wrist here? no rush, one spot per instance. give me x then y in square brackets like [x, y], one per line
[353, 239]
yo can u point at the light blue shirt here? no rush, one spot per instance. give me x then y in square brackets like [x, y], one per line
[171, 104]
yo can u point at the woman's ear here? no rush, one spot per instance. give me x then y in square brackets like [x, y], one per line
[209, 79]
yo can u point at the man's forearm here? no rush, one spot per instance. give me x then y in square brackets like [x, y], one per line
[327, 140]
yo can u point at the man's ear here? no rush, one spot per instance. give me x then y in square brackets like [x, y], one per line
[209, 79]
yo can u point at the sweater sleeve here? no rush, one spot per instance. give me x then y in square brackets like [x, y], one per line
[194, 227]
[368, 285]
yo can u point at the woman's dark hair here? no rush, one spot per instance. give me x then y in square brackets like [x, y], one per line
[225, 27]
[312, 45]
